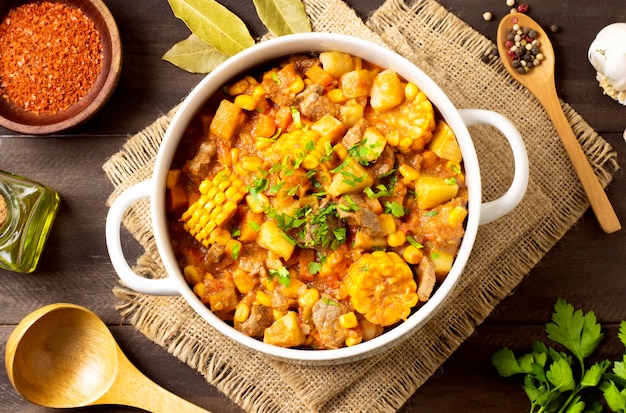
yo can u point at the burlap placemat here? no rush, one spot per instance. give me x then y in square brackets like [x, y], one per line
[449, 51]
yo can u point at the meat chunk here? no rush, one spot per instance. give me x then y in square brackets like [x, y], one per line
[326, 314]
[198, 166]
[319, 227]
[313, 104]
[426, 279]
[358, 213]
[384, 163]
[354, 134]
[259, 319]
[215, 253]
[252, 265]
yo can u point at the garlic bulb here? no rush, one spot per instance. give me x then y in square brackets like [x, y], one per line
[607, 54]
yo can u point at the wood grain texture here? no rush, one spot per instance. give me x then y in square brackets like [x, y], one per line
[586, 267]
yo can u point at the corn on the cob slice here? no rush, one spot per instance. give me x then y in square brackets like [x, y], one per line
[218, 201]
[381, 287]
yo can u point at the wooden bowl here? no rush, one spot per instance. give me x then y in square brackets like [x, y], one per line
[21, 120]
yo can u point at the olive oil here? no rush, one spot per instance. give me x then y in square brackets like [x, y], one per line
[27, 211]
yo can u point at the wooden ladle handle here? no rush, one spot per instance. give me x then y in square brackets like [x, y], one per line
[600, 203]
[133, 388]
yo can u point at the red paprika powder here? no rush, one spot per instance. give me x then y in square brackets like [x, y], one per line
[50, 56]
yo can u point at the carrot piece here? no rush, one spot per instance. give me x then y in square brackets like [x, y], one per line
[177, 198]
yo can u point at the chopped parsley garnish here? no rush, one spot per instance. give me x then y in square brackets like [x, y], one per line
[276, 79]
[283, 275]
[364, 153]
[330, 302]
[394, 208]
[382, 191]
[314, 267]
[235, 251]
[256, 227]
[349, 205]
[295, 115]
[272, 138]
[413, 242]
[259, 184]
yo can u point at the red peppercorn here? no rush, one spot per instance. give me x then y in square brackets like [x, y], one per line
[522, 8]
[509, 44]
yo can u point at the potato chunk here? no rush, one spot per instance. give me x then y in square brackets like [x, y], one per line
[329, 128]
[285, 332]
[350, 177]
[444, 143]
[387, 91]
[336, 63]
[432, 191]
[273, 239]
[356, 83]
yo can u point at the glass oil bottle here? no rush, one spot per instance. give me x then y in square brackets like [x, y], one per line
[27, 211]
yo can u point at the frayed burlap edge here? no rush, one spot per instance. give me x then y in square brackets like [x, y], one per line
[382, 384]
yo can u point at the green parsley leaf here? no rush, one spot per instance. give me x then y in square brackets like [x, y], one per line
[314, 267]
[236, 250]
[394, 208]
[578, 332]
[330, 302]
[554, 380]
[256, 227]
[276, 79]
[295, 115]
[283, 275]
[413, 242]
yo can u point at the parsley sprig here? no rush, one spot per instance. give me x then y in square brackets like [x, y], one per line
[564, 381]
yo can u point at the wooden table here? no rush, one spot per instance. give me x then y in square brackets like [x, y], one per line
[587, 267]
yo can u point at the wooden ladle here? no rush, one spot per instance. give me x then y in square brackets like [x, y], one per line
[540, 81]
[64, 356]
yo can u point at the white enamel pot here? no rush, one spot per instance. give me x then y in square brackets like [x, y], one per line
[479, 212]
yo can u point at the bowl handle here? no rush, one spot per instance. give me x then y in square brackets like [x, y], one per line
[161, 286]
[492, 210]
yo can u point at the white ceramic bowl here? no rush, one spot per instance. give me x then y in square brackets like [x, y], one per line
[478, 213]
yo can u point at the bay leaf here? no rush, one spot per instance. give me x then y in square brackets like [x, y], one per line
[194, 55]
[283, 17]
[214, 24]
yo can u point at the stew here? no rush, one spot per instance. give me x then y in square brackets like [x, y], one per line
[316, 202]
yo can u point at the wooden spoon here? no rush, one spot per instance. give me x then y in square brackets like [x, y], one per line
[64, 356]
[540, 81]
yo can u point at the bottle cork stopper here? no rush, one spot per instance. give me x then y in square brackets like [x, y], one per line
[3, 210]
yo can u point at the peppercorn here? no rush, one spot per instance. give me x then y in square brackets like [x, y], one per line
[510, 3]
[523, 48]
[554, 28]
[522, 8]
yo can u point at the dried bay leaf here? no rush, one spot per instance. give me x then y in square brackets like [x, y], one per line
[283, 17]
[214, 24]
[194, 55]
